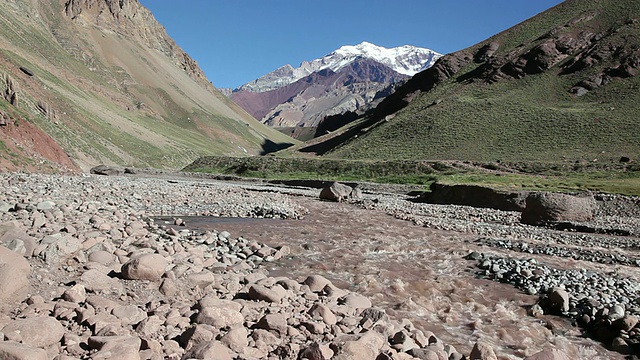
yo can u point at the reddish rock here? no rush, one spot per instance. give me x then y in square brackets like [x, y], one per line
[316, 282]
[551, 354]
[482, 351]
[10, 350]
[219, 317]
[14, 277]
[36, 332]
[145, 267]
[116, 347]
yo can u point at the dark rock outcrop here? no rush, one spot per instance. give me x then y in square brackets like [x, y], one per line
[27, 71]
[547, 208]
[10, 92]
[4, 118]
[476, 196]
[106, 170]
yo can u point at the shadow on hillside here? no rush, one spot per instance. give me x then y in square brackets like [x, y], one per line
[269, 146]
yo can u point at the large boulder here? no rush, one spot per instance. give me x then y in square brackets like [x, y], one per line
[14, 277]
[476, 196]
[544, 208]
[115, 347]
[338, 192]
[482, 351]
[145, 267]
[106, 170]
[11, 350]
[38, 332]
[557, 301]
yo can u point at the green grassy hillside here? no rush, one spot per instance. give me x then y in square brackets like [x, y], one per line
[560, 87]
[115, 90]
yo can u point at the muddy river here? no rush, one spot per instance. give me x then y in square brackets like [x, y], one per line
[412, 272]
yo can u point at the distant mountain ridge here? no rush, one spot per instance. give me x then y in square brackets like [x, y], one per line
[407, 60]
[349, 80]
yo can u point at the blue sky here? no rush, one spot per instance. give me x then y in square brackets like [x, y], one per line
[236, 41]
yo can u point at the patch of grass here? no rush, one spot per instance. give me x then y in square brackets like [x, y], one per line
[616, 183]
[621, 179]
[401, 172]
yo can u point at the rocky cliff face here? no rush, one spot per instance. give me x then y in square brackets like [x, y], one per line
[129, 18]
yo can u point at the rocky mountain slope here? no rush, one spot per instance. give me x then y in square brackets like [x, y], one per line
[350, 79]
[99, 81]
[561, 86]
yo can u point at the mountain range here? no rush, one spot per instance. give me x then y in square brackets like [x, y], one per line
[84, 82]
[559, 87]
[351, 79]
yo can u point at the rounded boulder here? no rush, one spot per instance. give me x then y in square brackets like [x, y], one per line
[145, 267]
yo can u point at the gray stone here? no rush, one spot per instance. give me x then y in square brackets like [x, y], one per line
[106, 170]
[219, 317]
[115, 347]
[97, 281]
[101, 257]
[356, 301]
[259, 292]
[558, 300]
[275, 322]
[321, 311]
[335, 192]
[543, 207]
[214, 350]
[61, 248]
[45, 205]
[75, 294]
[236, 339]
[316, 282]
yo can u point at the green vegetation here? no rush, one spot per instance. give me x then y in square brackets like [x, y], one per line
[616, 183]
[402, 172]
[532, 118]
[564, 177]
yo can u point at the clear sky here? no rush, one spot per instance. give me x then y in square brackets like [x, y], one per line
[236, 41]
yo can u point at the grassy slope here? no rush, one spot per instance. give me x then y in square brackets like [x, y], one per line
[117, 101]
[534, 118]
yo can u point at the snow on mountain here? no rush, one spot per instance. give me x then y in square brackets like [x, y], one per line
[406, 60]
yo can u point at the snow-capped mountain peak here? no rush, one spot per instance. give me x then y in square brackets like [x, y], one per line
[406, 60]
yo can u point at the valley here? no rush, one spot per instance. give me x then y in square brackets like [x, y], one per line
[372, 203]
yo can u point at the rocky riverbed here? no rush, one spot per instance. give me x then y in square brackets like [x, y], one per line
[117, 267]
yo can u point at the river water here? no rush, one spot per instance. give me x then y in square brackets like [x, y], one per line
[412, 272]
